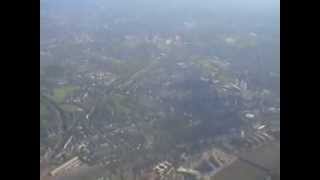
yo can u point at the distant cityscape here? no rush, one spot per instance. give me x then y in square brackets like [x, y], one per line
[161, 94]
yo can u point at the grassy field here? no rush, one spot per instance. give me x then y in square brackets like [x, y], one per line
[240, 171]
[69, 107]
[59, 94]
[267, 156]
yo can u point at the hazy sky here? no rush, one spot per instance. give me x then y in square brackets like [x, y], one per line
[225, 5]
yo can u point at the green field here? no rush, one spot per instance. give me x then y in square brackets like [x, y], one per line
[240, 171]
[69, 107]
[267, 156]
[59, 94]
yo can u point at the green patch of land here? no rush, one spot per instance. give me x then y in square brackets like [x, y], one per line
[206, 65]
[210, 68]
[60, 93]
[267, 156]
[69, 107]
[240, 170]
